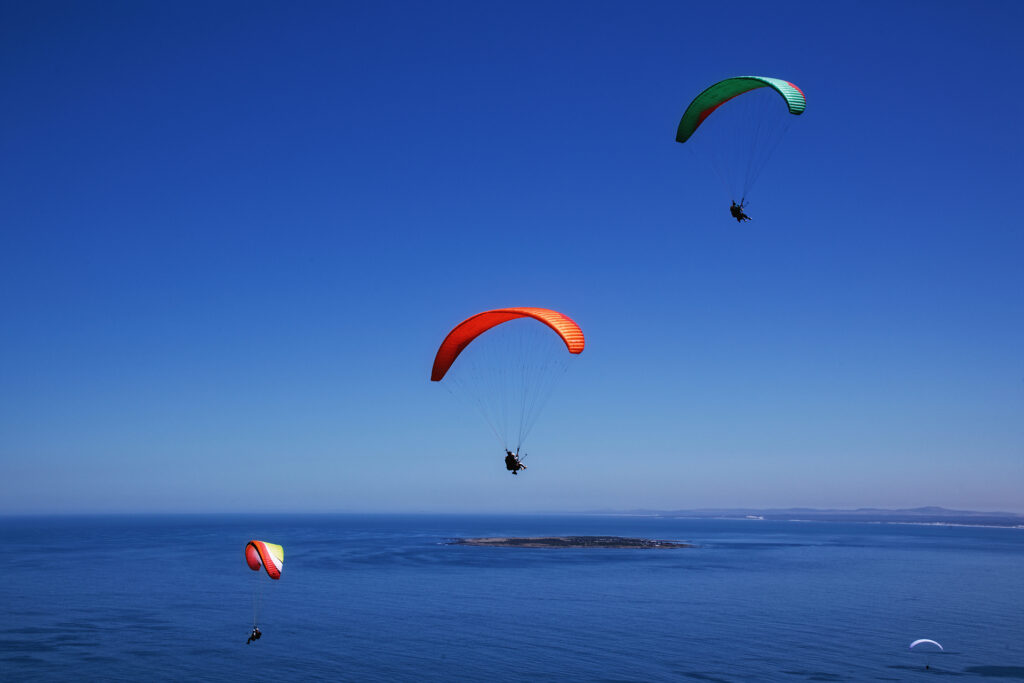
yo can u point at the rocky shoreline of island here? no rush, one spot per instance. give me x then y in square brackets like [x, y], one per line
[569, 542]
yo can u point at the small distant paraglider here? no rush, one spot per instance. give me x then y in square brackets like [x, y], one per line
[270, 557]
[927, 642]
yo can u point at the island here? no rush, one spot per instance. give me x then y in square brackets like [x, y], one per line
[569, 542]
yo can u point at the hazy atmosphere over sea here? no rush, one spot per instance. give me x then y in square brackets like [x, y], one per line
[234, 235]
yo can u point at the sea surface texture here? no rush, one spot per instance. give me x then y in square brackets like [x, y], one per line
[385, 598]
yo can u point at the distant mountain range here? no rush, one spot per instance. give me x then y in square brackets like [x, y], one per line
[922, 515]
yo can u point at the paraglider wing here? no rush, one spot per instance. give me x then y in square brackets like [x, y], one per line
[471, 328]
[925, 640]
[723, 91]
[268, 555]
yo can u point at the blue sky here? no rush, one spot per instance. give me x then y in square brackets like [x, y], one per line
[232, 236]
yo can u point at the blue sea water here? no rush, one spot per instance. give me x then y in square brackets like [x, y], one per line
[384, 598]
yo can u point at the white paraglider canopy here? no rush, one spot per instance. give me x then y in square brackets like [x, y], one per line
[925, 640]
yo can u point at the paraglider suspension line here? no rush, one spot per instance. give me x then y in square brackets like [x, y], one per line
[257, 600]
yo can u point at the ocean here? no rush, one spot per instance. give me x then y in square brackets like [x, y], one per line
[386, 598]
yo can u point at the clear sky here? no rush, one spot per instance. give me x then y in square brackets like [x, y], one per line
[233, 234]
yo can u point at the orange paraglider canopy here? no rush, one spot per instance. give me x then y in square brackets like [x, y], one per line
[471, 328]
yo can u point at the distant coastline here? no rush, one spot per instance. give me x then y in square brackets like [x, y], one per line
[925, 516]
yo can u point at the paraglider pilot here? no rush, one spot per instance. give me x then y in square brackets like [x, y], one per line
[512, 462]
[255, 635]
[737, 212]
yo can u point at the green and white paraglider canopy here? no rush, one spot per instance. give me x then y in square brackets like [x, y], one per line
[718, 94]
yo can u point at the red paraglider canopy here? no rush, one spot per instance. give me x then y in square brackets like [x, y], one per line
[269, 555]
[471, 328]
